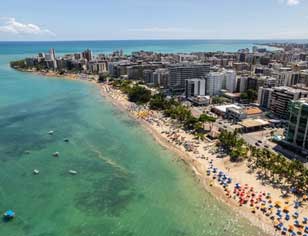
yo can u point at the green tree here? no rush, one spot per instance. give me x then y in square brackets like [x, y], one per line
[250, 96]
[139, 94]
[158, 102]
[219, 100]
[204, 118]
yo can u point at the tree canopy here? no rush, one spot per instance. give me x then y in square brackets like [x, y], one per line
[250, 96]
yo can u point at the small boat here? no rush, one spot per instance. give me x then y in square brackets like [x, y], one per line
[66, 140]
[9, 214]
[56, 154]
[73, 172]
[36, 172]
[51, 132]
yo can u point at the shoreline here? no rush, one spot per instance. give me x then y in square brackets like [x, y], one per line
[197, 168]
[50, 74]
[156, 126]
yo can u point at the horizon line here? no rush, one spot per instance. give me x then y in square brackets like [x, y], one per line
[98, 40]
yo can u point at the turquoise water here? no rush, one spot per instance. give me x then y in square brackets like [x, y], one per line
[127, 185]
[128, 46]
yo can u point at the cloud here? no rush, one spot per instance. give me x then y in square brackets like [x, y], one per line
[11, 26]
[291, 2]
[166, 30]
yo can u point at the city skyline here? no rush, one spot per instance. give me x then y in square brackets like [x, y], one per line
[169, 19]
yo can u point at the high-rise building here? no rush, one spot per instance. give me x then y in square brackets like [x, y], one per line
[230, 77]
[264, 97]
[50, 59]
[195, 87]
[87, 54]
[214, 83]
[52, 54]
[148, 76]
[179, 73]
[297, 132]
[280, 98]
[243, 83]
[283, 76]
[161, 77]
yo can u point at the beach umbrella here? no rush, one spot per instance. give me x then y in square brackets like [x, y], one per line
[293, 233]
[306, 229]
[286, 209]
[296, 223]
[297, 204]
[279, 226]
[278, 204]
[305, 220]
[276, 222]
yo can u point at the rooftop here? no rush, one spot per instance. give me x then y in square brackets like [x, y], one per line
[223, 108]
[251, 123]
[253, 110]
[232, 95]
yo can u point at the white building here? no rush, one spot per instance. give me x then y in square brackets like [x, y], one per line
[230, 77]
[214, 83]
[243, 83]
[195, 87]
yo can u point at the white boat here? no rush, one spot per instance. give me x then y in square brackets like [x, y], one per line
[36, 172]
[73, 172]
[56, 154]
[51, 132]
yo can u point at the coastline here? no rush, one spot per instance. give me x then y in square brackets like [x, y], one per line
[70, 76]
[156, 126]
[197, 166]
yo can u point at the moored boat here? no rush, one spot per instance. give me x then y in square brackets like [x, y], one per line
[9, 215]
[56, 154]
[73, 172]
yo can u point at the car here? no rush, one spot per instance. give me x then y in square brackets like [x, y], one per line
[259, 141]
[266, 146]
[257, 144]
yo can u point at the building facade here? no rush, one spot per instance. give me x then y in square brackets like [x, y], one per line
[264, 97]
[280, 98]
[297, 132]
[179, 73]
[214, 83]
[230, 77]
[195, 87]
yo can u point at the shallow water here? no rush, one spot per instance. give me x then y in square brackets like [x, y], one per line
[126, 184]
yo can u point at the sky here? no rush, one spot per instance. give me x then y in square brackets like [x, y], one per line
[152, 19]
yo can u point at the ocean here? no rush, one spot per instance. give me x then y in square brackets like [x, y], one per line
[127, 185]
